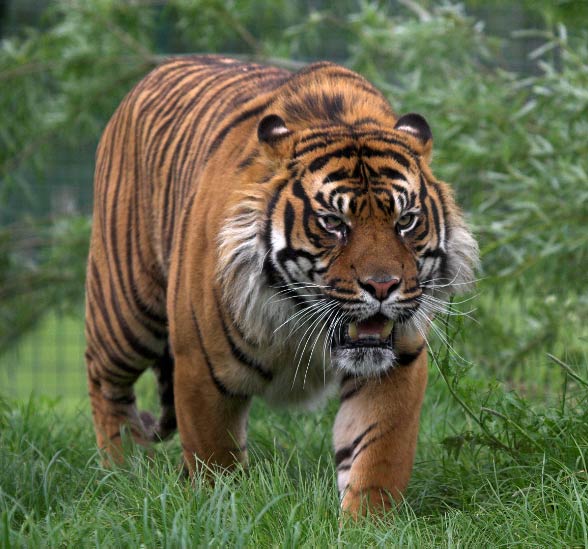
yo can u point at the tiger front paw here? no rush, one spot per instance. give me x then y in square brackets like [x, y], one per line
[369, 500]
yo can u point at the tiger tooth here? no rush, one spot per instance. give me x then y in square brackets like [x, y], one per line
[352, 330]
[385, 334]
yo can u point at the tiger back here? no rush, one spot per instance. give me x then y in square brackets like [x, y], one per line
[262, 233]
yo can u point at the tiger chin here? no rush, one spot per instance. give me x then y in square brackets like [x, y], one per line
[263, 233]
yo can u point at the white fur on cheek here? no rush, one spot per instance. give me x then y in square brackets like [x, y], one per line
[263, 315]
[241, 257]
[463, 259]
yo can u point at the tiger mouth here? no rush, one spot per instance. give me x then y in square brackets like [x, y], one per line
[375, 331]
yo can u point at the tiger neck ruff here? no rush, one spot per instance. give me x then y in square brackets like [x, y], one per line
[263, 233]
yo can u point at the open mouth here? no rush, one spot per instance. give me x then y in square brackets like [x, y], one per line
[375, 331]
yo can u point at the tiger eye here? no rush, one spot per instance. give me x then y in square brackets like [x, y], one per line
[333, 223]
[406, 222]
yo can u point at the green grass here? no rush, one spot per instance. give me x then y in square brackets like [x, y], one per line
[55, 493]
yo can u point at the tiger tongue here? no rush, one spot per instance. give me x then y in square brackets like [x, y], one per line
[374, 327]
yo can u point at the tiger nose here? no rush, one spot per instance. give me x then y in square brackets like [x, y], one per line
[381, 287]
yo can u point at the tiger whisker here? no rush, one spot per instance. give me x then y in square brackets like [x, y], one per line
[316, 296]
[303, 312]
[312, 321]
[322, 313]
[306, 318]
[307, 323]
[437, 300]
[330, 333]
[326, 340]
[292, 291]
[443, 338]
[452, 281]
[325, 325]
[296, 286]
[337, 325]
[445, 310]
[450, 284]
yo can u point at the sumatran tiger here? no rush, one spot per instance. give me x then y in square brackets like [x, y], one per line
[264, 233]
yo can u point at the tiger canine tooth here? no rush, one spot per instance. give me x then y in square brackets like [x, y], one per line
[387, 329]
[352, 330]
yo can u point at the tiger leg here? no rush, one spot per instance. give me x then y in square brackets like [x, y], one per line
[113, 405]
[212, 424]
[165, 425]
[119, 349]
[375, 436]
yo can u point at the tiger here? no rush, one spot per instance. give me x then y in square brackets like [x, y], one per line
[265, 233]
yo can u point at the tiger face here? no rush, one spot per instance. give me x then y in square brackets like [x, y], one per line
[361, 227]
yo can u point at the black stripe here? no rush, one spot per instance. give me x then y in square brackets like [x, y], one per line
[397, 142]
[122, 399]
[350, 393]
[183, 235]
[423, 199]
[370, 152]
[321, 161]
[391, 173]
[320, 144]
[133, 250]
[238, 354]
[344, 291]
[443, 270]
[346, 452]
[243, 117]
[100, 301]
[437, 252]
[367, 445]
[436, 221]
[405, 359]
[337, 175]
[221, 387]
[235, 324]
[342, 454]
[129, 336]
[270, 212]
[248, 161]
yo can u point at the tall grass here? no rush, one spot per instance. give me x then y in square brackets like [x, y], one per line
[514, 474]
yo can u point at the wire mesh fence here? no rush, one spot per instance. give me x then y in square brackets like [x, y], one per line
[49, 358]
[48, 361]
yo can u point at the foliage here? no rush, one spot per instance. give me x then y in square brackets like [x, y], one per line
[40, 270]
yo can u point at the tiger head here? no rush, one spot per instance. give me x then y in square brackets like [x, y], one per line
[347, 229]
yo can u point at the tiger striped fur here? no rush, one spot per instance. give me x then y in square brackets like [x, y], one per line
[262, 233]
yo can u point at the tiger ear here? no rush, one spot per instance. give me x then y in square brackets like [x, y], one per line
[416, 125]
[273, 133]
